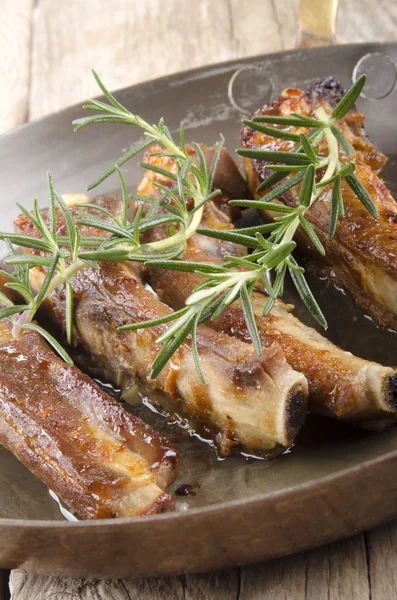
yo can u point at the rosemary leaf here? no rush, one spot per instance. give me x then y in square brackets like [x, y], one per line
[265, 228]
[102, 225]
[342, 141]
[47, 279]
[158, 170]
[284, 187]
[25, 241]
[21, 289]
[8, 311]
[279, 254]
[182, 137]
[297, 121]
[69, 312]
[73, 233]
[286, 168]
[348, 99]
[270, 181]
[169, 348]
[306, 191]
[229, 236]
[51, 340]
[250, 318]
[286, 158]
[154, 322]
[267, 284]
[259, 204]
[308, 149]
[184, 266]
[336, 200]
[311, 234]
[196, 356]
[362, 194]
[52, 208]
[28, 215]
[307, 297]
[214, 162]
[31, 260]
[272, 131]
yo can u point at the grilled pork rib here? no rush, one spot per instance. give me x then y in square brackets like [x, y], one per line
[259, 404]
[340, 384]
[102, 461]
[362, 255]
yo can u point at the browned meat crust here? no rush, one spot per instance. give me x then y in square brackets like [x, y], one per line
[102, 461]
[340, 385]
[362, 256]
[242, 402]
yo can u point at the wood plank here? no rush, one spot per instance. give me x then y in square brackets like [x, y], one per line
[222, 585]
[348, 578]
[126, 43]
[334, 572]
[382, 557]
[366, 21]
[15, 29]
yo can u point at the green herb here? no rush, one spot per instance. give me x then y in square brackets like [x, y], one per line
[179, 206]
[273, 254]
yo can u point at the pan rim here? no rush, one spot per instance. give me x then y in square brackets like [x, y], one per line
[179, 78]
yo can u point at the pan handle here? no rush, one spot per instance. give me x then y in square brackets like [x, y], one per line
[317, 20]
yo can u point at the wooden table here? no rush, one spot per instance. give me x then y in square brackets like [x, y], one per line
[47, 49]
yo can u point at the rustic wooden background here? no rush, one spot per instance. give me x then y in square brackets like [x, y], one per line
[47, 49]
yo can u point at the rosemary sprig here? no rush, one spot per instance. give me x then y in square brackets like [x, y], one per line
[60, 263]
[191, 184]
[63, 256]
[179, 207]
[271, 256]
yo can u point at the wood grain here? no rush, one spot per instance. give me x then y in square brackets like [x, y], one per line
[15, 35]
[125, 42]
[334, 572]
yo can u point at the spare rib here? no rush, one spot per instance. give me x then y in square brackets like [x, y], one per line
[362, 255]
[102, 461]
[256, 403]
[341, 385]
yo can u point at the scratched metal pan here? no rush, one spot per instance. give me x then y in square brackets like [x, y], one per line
[337, 480]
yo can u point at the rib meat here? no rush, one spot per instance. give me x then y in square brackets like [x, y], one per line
[258, 404]
[102, 461]
[341, 385]
[362, 255]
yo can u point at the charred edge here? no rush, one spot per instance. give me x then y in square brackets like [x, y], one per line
[295, 413]
[329, 89]
[163, 504]
[391, 391]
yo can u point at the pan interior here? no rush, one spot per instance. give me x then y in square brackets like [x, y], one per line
[203, 100]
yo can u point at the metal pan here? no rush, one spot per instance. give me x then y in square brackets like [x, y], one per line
[336, 482]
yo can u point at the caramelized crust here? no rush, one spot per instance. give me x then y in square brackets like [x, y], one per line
[102, 461]
[241, 402]
[340, 385]
[362, 255]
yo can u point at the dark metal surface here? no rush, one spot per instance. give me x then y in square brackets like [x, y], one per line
[335, 482]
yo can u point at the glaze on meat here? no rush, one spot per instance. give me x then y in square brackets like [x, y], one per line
[255, 403]
[341, 385]
[100, 460]
[362, 255]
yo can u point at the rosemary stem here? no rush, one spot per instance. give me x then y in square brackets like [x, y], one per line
[65, 275]
[178, 238]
